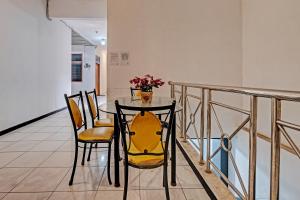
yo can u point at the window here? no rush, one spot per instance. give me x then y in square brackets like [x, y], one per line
[77, 67]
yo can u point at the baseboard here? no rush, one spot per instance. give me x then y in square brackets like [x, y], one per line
[3, 132]
[200, 178]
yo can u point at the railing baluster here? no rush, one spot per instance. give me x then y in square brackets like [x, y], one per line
[252, 147]
[208, 131]
[183, 117]
[275, 150]
[201, 161]
[172, 91]
[181, 113]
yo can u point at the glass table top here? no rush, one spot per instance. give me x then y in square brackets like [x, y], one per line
[110, 107]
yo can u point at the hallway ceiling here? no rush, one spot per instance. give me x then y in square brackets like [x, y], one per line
[92, 30]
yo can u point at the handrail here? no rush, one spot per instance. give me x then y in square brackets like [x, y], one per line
[289, 95]
[205, 100]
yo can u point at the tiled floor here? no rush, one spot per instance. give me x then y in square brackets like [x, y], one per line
[36, 161]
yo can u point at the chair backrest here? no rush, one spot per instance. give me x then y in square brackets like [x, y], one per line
[74, 102]
[91, 99]
[145, 131]
[135, 92]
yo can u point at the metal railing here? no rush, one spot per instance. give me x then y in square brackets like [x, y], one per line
[180, 91]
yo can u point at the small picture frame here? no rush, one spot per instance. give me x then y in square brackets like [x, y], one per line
[114, 59]
[124, 58]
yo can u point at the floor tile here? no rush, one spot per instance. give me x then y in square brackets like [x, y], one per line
[7, 157]
[180, 160]
[153, 178]
[5, 145]
[175, 194]
[30, 159]
[22, 146]
[99, 158]
[11, 137]
[133, 180]
[87, 195]
[37, 136]
[10, 177]
[49, 129]
[41, 123]
[66, 129]
[61, 123]
[61, 136]
[60, 159]
[117, 195]
[2, 195]
[48, 146]
[195, 194]
[67, 146]
[86, 178]
[42, 180]
[27, 196]
[191, 182]
[28, 129]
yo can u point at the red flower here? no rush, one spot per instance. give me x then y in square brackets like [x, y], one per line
[146, 83]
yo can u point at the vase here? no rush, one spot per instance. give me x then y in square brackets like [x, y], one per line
[146, 97]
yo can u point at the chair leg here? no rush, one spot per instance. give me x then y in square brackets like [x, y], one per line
[166, 184]
[125, 181]
[108, 164]
[74, 165]
[83, 156]
[90, 151]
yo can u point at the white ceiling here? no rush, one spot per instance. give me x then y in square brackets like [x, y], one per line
[92, 30]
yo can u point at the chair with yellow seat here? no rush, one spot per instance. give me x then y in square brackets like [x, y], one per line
[145, 139]
[92, 102]
[86, 135]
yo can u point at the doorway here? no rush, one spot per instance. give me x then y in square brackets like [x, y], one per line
[97, 79]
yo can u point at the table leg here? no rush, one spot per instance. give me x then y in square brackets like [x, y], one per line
[173, 152]
[116, 151]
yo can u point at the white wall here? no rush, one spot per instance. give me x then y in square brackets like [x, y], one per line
[101, 51]
[78, 8]
[191, 41]
[34, 62]
[213, 42]
[88, 74]
[195, 41]
[271, 59]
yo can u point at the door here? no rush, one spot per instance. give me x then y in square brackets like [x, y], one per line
[97, 71]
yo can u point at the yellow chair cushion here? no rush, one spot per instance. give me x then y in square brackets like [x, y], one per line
[76, 113]
[93, 106]
[96, 134]
[104, 122]
[145, 128]
[146, 161]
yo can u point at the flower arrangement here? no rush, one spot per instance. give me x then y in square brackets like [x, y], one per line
[146, 83]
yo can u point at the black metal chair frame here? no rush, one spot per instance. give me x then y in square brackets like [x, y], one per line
[93, 92]
[77, 141]
[124, 128]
